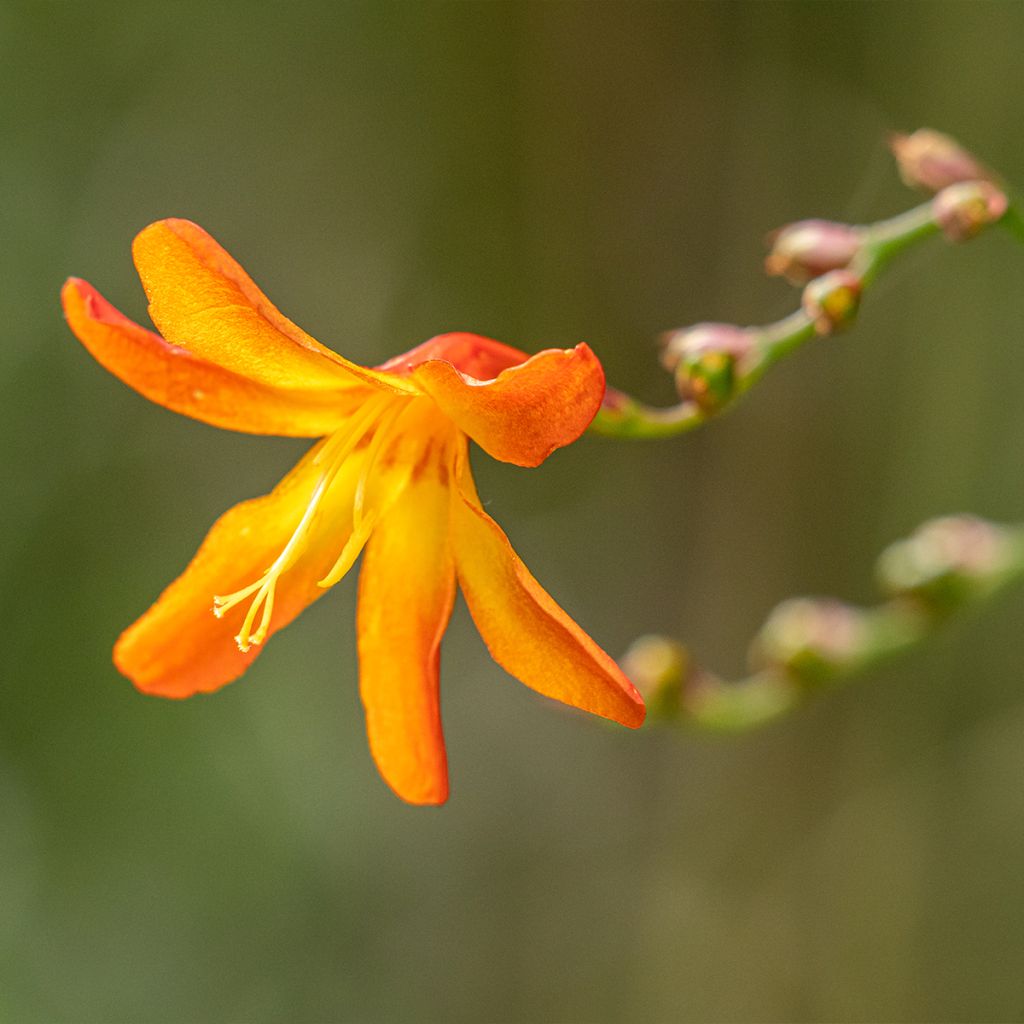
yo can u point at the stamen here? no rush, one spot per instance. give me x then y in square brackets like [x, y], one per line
[333, 454]
[363, 522]
[225, 604]
[350, 552]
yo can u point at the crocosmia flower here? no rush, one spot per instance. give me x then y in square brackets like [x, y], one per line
[390, 478]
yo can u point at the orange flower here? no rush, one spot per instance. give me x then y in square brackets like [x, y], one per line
[391, 474]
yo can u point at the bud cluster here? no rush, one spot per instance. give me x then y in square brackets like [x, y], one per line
[833, 262]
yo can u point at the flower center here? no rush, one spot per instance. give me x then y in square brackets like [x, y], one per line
[379, 417]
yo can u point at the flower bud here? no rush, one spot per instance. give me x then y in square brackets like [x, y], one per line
[809, 248]
[945, 561]
[811, 639]
[658, 667]
[832, 300]
[704, 359]
[963, 210]
[930, 161]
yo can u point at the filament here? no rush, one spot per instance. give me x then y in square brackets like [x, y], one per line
[363, 521]
[334, 453]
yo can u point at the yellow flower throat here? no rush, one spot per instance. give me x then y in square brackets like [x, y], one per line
[381, 424]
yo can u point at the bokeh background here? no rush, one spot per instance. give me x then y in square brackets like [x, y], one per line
[544, 174]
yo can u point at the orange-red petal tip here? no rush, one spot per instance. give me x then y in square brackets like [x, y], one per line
[633, 716]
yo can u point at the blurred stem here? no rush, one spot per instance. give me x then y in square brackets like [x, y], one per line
[810, 646]
[888, 238]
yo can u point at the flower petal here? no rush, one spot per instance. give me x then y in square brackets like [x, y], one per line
[406, 591]
[472, 354]
[179, 647]
[202, 300]
[179, 380]
[527, 411]
[527, 633]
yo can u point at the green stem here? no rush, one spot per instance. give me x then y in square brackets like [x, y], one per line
[808, 647]
[772, 344]
[888, 238]
[624, 417]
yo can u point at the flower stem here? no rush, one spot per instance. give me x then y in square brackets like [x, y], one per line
[622, 416]
[810, 646]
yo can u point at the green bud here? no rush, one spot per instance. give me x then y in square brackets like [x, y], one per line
[832, 300]
[705, 360]
[963, 210]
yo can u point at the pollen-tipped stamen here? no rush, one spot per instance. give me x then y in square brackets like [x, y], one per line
[225, 604]
[334, 453]
[264, 587]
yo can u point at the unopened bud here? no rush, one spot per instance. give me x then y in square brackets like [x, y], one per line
[963, 210]
[810, 639]
[657, 667]
[930, 161]
[832, 300]
[809, 248]
[705, 359]
[945, 561]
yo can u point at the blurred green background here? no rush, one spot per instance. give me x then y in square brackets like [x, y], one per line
[543, 174]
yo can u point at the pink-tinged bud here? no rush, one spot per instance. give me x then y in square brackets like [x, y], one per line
[930, 161]
[809, 248]
[812, 639]
[699, 339]
[705, 359]
[963, 210]
[946, 561]
[832, 300]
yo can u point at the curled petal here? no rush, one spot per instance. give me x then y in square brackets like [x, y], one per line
[185, 383]
[179, 647]
[406, 590]
[203, 301]
[476, 356]
[527, 411]
[527, 633]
